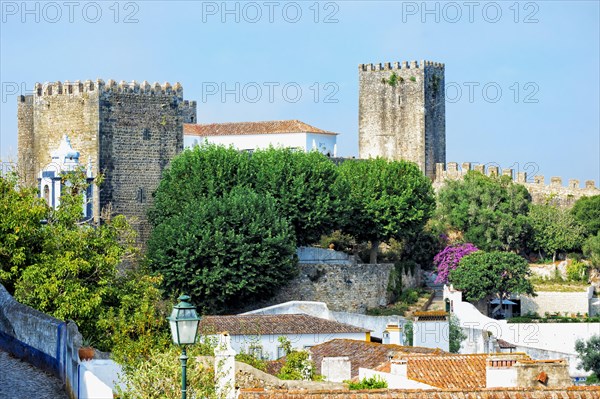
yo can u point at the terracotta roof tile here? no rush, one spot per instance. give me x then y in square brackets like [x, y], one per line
[242, 128]
[451, 371]
[505, 344]
[491, 393]
[364, 354]
[274, 324]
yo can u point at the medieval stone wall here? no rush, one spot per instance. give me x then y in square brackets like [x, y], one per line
[141, 130]
[128, 131]
[564, 196]
[403, 118]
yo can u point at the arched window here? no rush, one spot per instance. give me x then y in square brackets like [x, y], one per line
[47, 194]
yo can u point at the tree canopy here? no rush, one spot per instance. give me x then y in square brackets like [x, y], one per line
[589, 353]
[491, 212]
[388, 199]
[71, 269]
[554, 229]
[586, 211]
[483, 274]
[225, 251]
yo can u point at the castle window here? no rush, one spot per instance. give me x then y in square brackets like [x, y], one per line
[192, 119]
[146, 134]
[141, 195]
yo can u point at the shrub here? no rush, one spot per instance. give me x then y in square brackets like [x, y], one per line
[374, 382]
[577, 271]
[160, 377]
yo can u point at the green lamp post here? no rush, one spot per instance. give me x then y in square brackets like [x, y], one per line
[184, 327]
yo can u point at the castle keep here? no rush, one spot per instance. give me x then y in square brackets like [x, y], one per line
[126, 132]
[402, 114]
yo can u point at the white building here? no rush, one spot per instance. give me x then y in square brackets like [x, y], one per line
[50, 182]
[249, 136]
[259, 334]
[431, 329]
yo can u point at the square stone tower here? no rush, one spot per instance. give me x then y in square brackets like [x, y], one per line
[127, 132]
[402, 114]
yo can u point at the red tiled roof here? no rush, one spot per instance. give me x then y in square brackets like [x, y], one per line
[490, 393]
[449, 372]
[274, 324]
[505, 344]
[242, 128]
[362, 353]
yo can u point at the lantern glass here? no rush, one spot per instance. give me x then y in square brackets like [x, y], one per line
[184, 323]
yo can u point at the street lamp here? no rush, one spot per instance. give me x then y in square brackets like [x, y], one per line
[184, 326]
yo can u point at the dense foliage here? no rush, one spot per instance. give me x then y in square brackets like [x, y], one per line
[591, 249]
[375, 382]
[554, 230]
[491, 212]
[456, 335]
[70, 269]
[589, 353]
[305, 186]
[298, 364]
[224, 251]
[448, 259]
[587, 212]
[160, 376]
[388, 199]
[484, 274]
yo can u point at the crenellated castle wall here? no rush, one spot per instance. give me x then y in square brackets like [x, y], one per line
[128, 130]
[405, 118]
[564, 196]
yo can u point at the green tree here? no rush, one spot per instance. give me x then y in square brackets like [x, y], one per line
[483, 274]
[591, 249]
[224, 251]
[457, 336]
[206, 171]
[491, 212]
[21, 232]
[587, 212]
[71, 269]
[554, 230]
[589, 353]
[388, 199]
[306, 187]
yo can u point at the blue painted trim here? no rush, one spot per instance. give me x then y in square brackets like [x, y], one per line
[58, 339]
[28, 353]
[78, 380]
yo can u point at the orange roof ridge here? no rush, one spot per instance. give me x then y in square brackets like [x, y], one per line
[247, 128]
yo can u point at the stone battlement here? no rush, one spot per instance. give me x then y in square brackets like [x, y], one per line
[111, 86]
[538, 188]
[388, 66]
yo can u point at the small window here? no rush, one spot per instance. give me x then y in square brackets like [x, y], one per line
[146, 134]
[141, 195]
[280, 352]
[192, 119]
[256, 352]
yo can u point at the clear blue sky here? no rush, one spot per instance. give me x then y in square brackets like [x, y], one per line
[542, 55]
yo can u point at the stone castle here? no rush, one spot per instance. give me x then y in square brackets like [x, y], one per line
[128, 133]
[402, 113]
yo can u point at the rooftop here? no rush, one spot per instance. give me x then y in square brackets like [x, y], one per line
[364, 354]
[257, 324]
[449, 372]
[244, 128]
[490, 393]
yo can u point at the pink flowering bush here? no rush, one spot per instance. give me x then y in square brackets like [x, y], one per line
[447, 260]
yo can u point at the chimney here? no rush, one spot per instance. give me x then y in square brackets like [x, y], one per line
[392, 335]
[399, 367]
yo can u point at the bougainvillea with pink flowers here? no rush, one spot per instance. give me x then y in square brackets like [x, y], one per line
[447, 260]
